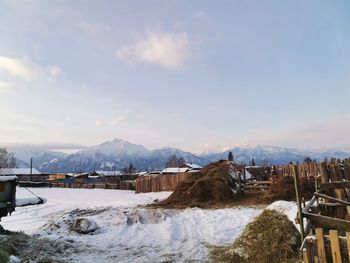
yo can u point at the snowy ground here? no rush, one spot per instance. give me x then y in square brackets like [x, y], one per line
[127, 232]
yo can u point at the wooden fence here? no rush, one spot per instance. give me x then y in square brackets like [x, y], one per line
[160, 182]
[323, 248]
[256, 187]
[121, 185]
[310, 169]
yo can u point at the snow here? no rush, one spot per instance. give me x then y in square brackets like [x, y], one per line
[174, 170]
[288, 208]
[14, 259]
[7, 178]
[29, 219]
[127, 232]
[29, 201]
[193, 166]
[109, 173]
[248, 175]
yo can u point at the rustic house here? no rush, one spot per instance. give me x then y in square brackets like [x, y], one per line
[7, 195]
[25, 174]
[174, 170]
[191, 166]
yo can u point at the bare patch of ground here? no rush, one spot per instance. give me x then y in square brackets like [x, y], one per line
[34, 249]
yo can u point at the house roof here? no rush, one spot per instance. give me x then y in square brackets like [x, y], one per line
[109, 173]
[174, 170]
[77, 175]
[18, 171]
[193, 166]
[4, 178]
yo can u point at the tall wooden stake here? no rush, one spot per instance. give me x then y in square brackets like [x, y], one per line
[31, 166]
[316, 188]
[296, 184]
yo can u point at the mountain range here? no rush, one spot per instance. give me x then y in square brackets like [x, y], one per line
[118, 154]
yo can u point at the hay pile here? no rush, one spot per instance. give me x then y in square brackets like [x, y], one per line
[283, 189]
[270, 238]
[213, 185]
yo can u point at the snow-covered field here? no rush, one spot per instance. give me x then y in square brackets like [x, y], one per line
[127, 232]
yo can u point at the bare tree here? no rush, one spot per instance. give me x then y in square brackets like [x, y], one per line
[7, 160]
[174, 161]
[129, 170]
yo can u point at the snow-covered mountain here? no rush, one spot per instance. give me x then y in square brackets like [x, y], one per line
[118, 154]
[275, 155]
[40, 157]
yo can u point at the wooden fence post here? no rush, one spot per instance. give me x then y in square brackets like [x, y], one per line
[336, 256]
[296, 184]
[320, 245]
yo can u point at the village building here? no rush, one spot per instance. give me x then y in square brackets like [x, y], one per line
[191, 166]
[174, 170]
[25, 174]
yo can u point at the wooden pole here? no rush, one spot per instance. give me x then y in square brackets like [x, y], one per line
[300, 215]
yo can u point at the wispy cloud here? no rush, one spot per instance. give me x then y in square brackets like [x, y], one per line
[27, 70]
[115, 121]
[170, 50]
[5, 85]
[99, 123]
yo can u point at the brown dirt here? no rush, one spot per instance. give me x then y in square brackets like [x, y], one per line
[283, 189]
[210, 187]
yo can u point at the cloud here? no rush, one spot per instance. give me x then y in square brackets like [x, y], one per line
[99, 123]
[27, 70]
[5, 85]
[113, 122]
[117, 120]
[170, 50]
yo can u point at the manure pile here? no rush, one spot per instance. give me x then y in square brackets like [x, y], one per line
[270, 238]
[215, 184]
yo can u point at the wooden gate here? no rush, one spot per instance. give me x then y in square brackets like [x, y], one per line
[330, 247]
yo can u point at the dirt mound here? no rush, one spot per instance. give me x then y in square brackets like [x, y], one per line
[283, 189]
[216, 183]
[270, 238]
[84, 226]
[35, 249]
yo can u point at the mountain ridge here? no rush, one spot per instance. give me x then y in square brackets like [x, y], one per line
[117, 154]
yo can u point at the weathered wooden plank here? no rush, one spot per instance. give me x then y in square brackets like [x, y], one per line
[327, 222]
[348, 243]
[332, 199]
[305, 256]
[333, 185]
[324, 172]
[347, 169]
[320, 245]
[335, 247]
[308, 206]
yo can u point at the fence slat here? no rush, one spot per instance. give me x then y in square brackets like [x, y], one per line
[305, 256]
[336, 256]
[348, 243]
[320, 245]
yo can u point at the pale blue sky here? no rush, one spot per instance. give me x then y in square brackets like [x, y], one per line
[191, 74]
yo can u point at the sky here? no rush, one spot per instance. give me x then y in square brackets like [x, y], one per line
[197, 75]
